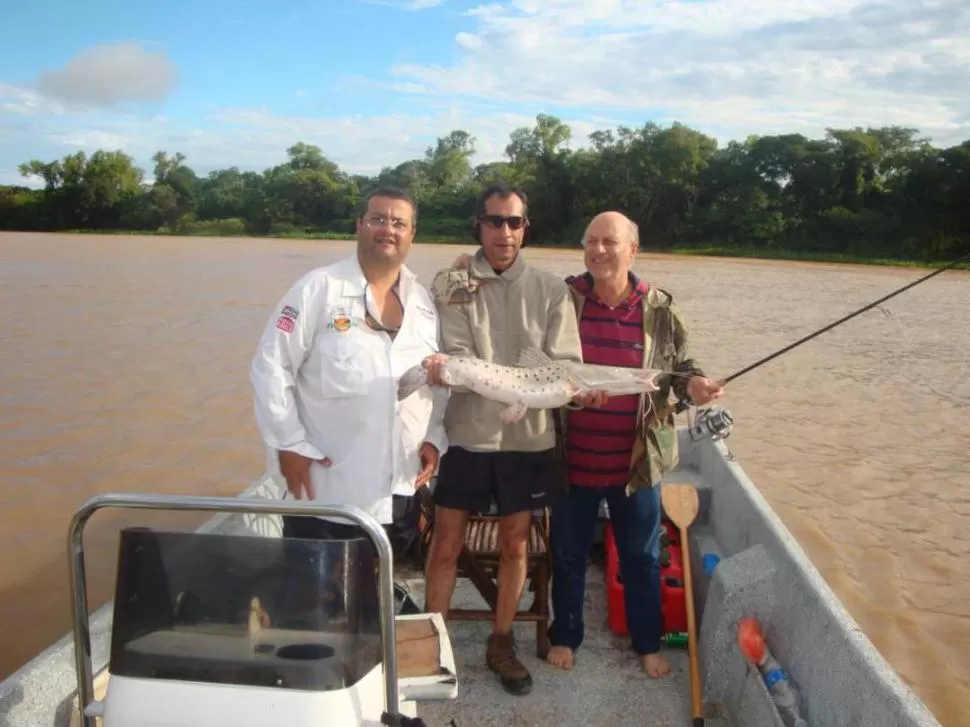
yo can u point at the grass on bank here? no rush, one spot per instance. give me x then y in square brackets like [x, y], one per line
[698, 250]
[801, 256]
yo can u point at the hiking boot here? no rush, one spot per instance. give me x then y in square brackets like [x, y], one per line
[500, 657]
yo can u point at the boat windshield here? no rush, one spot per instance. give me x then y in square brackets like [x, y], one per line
[245, 610]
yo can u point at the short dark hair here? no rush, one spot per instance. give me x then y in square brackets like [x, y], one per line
[392, 193]
[502, 190]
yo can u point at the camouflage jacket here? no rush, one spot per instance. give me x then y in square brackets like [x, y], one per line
[655, 451]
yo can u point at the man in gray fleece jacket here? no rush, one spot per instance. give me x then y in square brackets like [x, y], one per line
[495, 309]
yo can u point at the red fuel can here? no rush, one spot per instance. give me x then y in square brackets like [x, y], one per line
[672, 599]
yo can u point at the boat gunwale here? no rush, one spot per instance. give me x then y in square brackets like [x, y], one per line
[43, 690]
[911, 709]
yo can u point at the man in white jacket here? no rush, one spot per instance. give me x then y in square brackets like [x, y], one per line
[326, 370]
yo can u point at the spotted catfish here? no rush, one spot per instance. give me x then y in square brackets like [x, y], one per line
[536, 382]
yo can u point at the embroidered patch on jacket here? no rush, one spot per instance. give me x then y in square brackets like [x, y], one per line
[285, 324]
[290, 312]
[341, 323]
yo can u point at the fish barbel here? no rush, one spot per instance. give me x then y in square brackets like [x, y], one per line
[536, 382]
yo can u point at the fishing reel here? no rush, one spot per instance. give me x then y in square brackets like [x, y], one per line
[714, 423]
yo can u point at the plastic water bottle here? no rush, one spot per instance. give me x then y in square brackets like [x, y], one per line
[784, 693]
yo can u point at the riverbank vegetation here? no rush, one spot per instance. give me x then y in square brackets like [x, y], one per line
[883, 195]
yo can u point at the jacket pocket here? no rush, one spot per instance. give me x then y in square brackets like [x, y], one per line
[665, 445]
[344, 367]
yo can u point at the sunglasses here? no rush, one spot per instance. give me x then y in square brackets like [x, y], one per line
[372, 321]
[515, 222]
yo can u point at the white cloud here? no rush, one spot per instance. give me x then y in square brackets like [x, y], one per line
[257, 138]
[109, 74]
[25, 102]
[729, 67]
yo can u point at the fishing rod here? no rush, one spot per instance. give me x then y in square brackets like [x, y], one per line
[682, 405]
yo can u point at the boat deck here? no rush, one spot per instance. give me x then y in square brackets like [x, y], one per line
[762, 572]
[606, 686]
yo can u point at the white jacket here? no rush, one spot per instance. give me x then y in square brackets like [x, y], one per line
[326, 386]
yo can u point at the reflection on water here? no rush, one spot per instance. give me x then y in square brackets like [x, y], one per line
[124, 366]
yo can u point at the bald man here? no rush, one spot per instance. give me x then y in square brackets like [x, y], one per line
[623, 321]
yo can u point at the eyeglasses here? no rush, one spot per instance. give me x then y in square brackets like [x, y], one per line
[376, 222]
[515, 222]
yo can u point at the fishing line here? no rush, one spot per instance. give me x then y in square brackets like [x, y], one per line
[681, 406]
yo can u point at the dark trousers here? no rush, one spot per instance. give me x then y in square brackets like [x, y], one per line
[320, 593]
[402, 532]
[636, 526]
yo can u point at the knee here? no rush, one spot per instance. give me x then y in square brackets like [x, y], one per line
[566, 558]
[652, 546]
[513, 545]
[445, 548]
[638, 563]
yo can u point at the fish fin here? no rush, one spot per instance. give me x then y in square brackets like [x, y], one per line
[411, 380]
[532, 358]
[513, 413]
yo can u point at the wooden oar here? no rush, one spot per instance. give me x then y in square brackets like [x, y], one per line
[681, 505]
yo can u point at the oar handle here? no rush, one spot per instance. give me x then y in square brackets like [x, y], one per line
[692, 652]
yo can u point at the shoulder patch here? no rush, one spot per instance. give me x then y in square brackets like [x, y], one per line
[659, 298]
[455, 286]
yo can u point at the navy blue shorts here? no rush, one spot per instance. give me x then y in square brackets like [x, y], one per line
[513, 481]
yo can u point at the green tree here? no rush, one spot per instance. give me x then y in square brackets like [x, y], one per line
[876, 191]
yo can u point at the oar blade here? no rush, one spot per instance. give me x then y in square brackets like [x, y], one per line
[680, 502]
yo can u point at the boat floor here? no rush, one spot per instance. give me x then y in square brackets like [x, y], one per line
[606, 687]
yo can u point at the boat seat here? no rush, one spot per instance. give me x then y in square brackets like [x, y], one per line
[479, 559]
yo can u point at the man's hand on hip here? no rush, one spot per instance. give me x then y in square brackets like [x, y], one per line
[429, 461]
[295, 469]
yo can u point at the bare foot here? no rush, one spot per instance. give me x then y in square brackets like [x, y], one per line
[655, 665]
[561, 657]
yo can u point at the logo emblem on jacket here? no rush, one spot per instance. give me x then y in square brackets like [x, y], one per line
[340, 322]
[287, 319]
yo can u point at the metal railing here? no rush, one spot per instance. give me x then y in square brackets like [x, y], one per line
[79, 596]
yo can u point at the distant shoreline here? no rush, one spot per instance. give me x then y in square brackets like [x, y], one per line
[711, 251]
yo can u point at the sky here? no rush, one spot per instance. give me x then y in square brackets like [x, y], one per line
[375, 82]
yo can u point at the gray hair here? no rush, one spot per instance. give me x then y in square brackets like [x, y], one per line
[632, 230]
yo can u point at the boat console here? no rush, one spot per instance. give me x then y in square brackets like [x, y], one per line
[216, 629]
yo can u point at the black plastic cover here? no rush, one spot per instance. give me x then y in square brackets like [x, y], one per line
[183, 605]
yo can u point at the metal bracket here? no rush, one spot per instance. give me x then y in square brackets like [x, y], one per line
[79, 598]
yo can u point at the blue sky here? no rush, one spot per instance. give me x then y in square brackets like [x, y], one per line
[374, 82]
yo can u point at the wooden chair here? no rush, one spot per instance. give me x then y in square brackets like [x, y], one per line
[479, 559]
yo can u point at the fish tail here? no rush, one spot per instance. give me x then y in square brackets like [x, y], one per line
[411, 380]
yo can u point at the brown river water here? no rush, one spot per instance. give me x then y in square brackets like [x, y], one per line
[124, 367]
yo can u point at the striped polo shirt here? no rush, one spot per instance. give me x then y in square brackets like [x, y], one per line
[599, 442]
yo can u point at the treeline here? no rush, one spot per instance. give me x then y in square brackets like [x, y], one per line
[863, 192]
